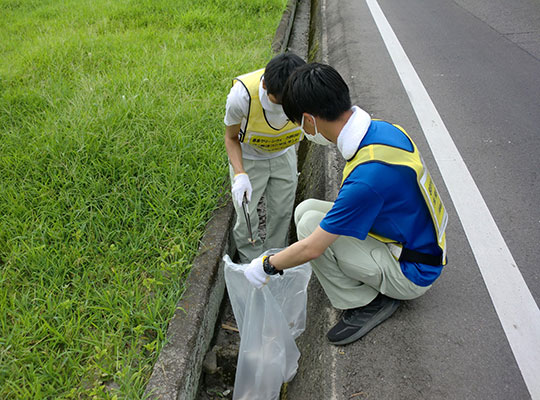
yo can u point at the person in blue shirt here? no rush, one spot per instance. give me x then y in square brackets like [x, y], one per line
[383, 239]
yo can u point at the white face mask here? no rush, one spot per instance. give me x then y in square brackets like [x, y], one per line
[266, 103]
[318, 137]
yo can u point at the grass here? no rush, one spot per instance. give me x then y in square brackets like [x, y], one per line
[111, 163]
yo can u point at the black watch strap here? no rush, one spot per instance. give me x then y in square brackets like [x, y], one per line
[269, 268]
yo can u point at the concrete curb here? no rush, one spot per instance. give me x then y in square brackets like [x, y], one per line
[177, 371]
[176, 374]
[283, 32]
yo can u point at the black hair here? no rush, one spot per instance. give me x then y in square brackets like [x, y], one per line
[316, 89]
[278, 70]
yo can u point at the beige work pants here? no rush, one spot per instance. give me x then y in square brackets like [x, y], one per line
[276, 179]
[351, 271]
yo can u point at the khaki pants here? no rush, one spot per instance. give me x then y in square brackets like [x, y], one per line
[276, 179]
[351, 271]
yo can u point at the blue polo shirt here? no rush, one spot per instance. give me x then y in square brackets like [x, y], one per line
[385, 199]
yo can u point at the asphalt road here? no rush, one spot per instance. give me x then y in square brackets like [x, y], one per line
[479, 61]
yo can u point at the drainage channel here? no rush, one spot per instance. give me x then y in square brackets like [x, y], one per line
[219, 366]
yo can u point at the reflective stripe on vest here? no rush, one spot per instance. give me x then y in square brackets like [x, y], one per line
[258, 132]
[395, 156]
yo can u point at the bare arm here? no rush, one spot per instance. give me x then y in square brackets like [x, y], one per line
[232, 145]
[304, 250]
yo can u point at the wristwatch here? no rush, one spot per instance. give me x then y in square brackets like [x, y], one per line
[269, 268]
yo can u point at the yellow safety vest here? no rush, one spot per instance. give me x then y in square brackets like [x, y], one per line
[396, 156]
[258, 132]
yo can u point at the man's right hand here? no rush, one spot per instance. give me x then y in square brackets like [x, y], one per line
[241, 185]
[255, 273]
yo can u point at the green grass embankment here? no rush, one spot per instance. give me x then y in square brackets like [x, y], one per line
[111, 163]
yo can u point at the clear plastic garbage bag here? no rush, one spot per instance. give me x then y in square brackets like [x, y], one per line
[269, 319]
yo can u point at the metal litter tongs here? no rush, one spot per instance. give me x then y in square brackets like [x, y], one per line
[248, 221]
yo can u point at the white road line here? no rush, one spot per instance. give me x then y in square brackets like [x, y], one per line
[514, 304]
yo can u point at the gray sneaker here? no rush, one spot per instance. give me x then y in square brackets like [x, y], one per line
[356, 322]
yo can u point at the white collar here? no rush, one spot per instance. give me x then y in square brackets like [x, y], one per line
[353, 132]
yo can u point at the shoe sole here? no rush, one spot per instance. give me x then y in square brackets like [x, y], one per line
[381, 316]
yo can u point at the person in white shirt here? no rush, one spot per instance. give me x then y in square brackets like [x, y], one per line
[260, 139]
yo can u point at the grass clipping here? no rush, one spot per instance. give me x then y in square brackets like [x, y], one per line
[111, 158]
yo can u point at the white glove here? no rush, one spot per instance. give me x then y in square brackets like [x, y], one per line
[255, 273]
[241, 185]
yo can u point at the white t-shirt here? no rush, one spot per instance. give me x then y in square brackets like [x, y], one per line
[236, 112]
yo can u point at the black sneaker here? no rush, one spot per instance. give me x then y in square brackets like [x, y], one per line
[356, 322]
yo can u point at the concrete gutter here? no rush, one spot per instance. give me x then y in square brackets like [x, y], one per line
[177, 372]
[283, 32]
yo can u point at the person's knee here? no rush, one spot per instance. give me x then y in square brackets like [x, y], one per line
[307, 224]
[303, 207]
